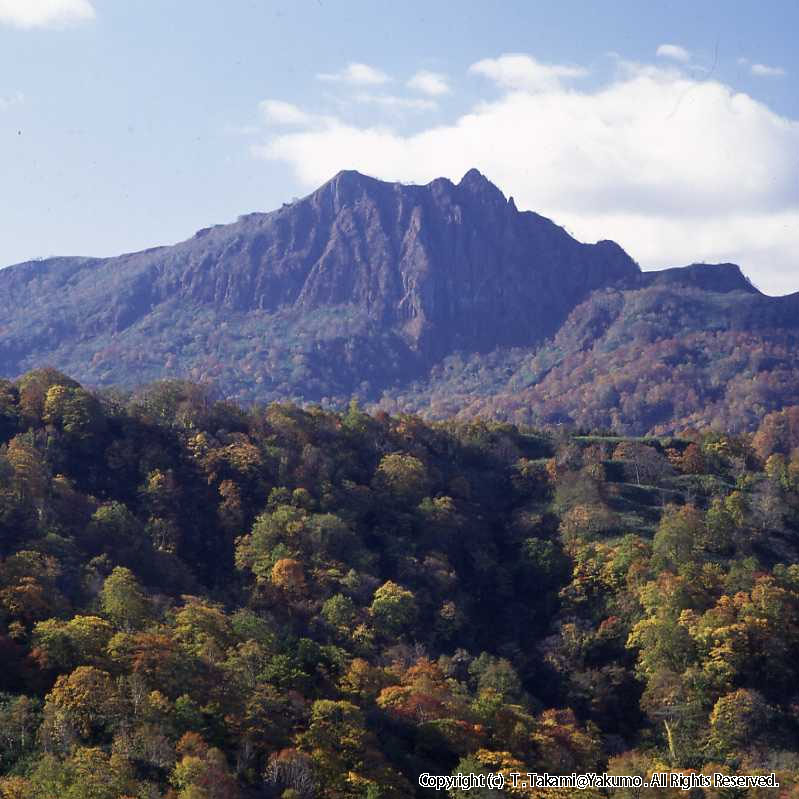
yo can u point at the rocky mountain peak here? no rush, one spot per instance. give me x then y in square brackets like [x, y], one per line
[478, 185]
[430, 268]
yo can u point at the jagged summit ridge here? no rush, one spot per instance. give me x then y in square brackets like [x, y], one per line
[446, 265]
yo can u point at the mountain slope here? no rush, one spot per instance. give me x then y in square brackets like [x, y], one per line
[441, 298]
[658, 354]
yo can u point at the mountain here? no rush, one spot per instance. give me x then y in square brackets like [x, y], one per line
[428, 269]
[373, 288]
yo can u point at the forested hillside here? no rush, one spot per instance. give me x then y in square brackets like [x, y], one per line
[199, 601]
[651, 358]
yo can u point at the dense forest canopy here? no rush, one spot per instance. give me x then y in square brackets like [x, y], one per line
[201, 601]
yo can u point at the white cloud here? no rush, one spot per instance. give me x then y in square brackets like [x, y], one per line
[763, 70]
[524, 73]
[674, 52]
[431, 83]
[44, 13]
[762, 243]
[356, 73]
[282, 113]
[674, 168]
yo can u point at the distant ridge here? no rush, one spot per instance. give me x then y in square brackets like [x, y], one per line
[710, 277]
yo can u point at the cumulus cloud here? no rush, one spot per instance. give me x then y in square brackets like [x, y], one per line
[763, 243]
[282, 113]
[674, 52]
[524, 73]
[356, 73]
[431, 83]
[674, 168]
[44, 13]
[763, 70]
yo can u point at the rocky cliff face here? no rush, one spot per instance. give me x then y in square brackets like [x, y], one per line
[445, 266]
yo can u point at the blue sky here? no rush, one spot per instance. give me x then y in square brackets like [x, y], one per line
[670, 127]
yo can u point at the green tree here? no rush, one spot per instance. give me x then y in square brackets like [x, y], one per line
[679, 537]
[66, 645]
[123, 600]
[80, 705]
[404, 475]
[738, 719]
[339, 612]
[74, 410]
[393, 608]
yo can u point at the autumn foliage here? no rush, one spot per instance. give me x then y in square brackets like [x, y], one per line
[200, 601]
